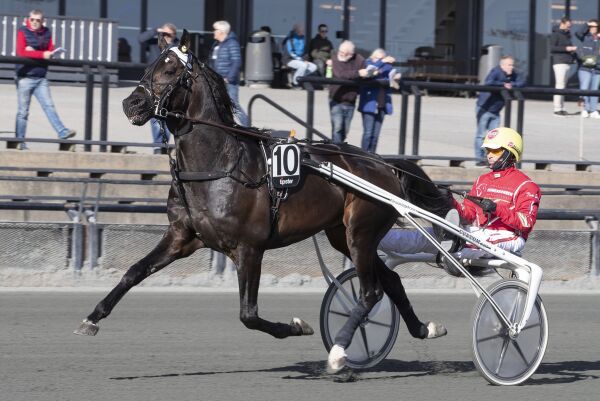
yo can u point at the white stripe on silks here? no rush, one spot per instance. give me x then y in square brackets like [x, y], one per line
[517, 190]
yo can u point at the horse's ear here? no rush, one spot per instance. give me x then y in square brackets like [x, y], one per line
[185, 42]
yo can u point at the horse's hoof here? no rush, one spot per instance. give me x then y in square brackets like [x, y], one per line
[435, 330]
[87, 328]
[336, 359]
[305, 328]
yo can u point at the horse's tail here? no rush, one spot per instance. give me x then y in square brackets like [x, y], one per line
[420, 190]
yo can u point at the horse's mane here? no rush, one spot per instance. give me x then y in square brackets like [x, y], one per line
[216, 100]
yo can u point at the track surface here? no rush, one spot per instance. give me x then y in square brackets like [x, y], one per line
[191, 346]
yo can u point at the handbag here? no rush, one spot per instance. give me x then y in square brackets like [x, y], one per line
[589, 61]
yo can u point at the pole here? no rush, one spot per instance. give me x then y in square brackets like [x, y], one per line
[89, 105]
[417, 119]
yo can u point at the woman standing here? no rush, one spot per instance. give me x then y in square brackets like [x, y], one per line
[589, 67]
[375, 101]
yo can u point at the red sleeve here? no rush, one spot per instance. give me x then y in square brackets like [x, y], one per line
[22, 44]
[523, 214]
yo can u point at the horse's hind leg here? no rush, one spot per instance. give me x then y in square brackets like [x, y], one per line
[175, 243]
[392, 286]
[248, 261]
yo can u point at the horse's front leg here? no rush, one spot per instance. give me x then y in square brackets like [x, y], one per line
[176, 243]
[248, 261]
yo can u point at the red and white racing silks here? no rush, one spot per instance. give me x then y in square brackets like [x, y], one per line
[517, 200]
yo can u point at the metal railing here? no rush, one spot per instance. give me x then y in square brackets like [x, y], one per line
[415, 88]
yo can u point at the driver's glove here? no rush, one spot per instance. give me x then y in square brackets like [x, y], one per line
[488, 205]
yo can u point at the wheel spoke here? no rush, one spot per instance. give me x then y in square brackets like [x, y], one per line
[339, 313]
[363, 334]
[376, 323]
[353, 291]
[502, 354]
[520, 351]
[499, 335]
[531, 326]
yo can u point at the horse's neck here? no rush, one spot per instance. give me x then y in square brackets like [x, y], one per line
[207, 148]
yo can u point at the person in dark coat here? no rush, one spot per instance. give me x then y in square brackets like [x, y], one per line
[563, 57]
[489, 104]
[320, 48]
[149, 39]
[346, 64]
[226, 59]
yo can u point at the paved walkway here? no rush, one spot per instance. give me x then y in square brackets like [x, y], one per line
[447, 123]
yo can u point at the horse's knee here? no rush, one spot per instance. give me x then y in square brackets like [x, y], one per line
[371, 297]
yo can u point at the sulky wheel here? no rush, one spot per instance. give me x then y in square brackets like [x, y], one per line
[374, 338]
[503, 360]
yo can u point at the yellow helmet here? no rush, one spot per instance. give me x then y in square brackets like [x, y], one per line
[505, 138]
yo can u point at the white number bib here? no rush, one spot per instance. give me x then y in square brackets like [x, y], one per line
[285, 163]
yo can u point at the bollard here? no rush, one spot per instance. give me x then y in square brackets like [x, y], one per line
[92, 238]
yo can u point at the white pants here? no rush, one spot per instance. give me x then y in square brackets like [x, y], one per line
[399, 242]
[562, 73]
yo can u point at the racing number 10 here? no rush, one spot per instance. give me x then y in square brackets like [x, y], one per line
[286, 159]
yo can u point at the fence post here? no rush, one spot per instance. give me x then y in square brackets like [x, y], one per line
[76, 240]
[92, 237]
[507, 107]
[89, 105]
[310, 108]
[417, 119]
[403, 121]
[520, 111]
[595, 226]
[103, 107]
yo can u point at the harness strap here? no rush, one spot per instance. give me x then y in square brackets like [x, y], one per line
[202, 175]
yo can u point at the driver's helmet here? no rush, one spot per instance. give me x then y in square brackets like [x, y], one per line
[505, 138]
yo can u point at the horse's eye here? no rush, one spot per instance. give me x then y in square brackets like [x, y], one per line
[170, 72]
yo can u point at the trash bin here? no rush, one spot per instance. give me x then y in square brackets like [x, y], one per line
[259, 61]
[490, 57]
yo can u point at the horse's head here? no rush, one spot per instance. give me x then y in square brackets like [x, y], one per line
[165, 84]
[177, 82]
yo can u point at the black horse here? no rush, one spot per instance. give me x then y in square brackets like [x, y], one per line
[220, 198]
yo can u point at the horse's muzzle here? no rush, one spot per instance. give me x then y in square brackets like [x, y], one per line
[137, 107]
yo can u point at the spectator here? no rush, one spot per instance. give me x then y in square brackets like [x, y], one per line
[320, 49]
[226, 59]
[375, 101]
[342, 98]
[563, 52]
[149, 39]
[123, 50]
[589, 66]
[505, 215]
[294, 54]
[489, 104]
[34, 40]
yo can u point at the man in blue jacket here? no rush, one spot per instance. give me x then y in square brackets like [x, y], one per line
[226, 59]
[489, 104]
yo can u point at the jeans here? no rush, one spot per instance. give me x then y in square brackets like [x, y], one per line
[156, 136]
[589, 80]
[371, 128]
[485, 122]
[301, 68]
[233, 91]
[341, 116]
[40, 89]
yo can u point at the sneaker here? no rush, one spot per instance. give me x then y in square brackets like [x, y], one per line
[22, 146]
[70, 134]
[560, 113]
[595, 114]
[584, 114]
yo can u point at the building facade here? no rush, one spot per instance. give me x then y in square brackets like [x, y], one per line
[451, 33]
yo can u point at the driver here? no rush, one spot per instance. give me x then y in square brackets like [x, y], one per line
[504, 206]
